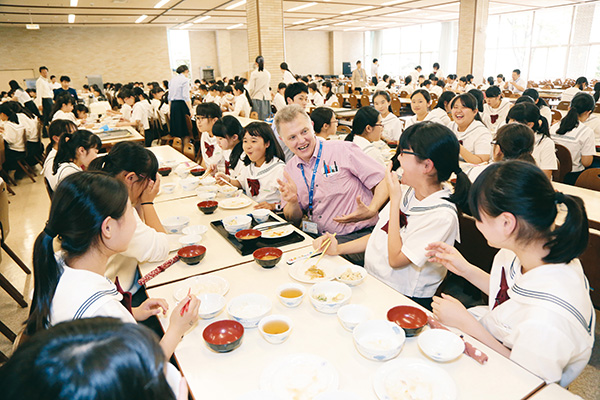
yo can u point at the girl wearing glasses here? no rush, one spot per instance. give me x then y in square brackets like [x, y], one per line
[367, 128]
[423, 211]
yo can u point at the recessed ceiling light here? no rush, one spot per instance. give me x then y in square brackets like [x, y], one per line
[318, 27]
[235, 5]
[303, 6]
[391, 3]
[357, 10]
[74, 3]
[202, 19]
[304, 21]
[161, 3]
[140, 19]
[346, 22]
[235, 26]
[356, 28]
[71, 18]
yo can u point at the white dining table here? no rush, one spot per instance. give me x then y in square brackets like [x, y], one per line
[591, 200]
[554, 392]
[231, 375]
[169, 155]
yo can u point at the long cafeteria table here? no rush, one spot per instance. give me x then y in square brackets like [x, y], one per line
[591, 199]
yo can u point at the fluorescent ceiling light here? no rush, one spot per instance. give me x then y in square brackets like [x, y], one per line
[357, 10]
[201, 19]
[354, 29]
[235, 26]
[74, 3]
[140, 19]
[71, 18]
[302, 6]
[161, 3]
[185, 26]
[391, 3]
[32, 26]
[318, 27]
[235, 5]
[383, 24]
[304, 21]
[346, 22]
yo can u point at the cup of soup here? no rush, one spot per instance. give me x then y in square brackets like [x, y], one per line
[291, 294]
[275, 328]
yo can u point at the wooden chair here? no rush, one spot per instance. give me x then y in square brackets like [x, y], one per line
[254, 115]
[556, 116]
[563, 105]
[434, 97]
[243, 114]
[597, 108]
[364, 100]
[565, 163]
[589, 261]
[189, 151]
[404, 94]
[335, 104]
[177, 144]
[189, 125]
[343, 129]
[589, 179]
[396, 106]
[366, 91]
[353, 101]
[340, 98]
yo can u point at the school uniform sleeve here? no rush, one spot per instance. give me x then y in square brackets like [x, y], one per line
[544, 154]
[318, 100]
[440, 226]
[483, 143]
[147, 245]
[242, 177]
[588, 145]
[113, 309]
[137, 114]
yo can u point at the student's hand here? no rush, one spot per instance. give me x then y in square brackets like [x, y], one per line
[211, 170]
[222, 179]
[393, 185]
[151, 190]
[265, 205]
[361, 213]
[288, 189]
[449, 257]
[184, 322]
[332, 250]
[450, 311]
[149, 308]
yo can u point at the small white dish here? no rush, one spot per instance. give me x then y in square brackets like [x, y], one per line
[190, 240]
[190, 183]
[351, 275]
[201, 284]
[175, 224]
[288, 300]
[248, 309]
[261, 215]
[329, 297]
[182, 172]
[281, 325]
[195, 230]
[441, 345]
[205, 196]
[211, 304]
[378, 340]
[168, 188]
[207, 189]
[236, 223]
[209, 180]
[228, 191]
[351, 315]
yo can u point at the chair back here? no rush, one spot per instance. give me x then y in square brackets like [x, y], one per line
[556, 116]
[189, 151]
[254, 115]
[473, 245]
[4, 223]
[335, 104]
[404, 94]
[364, 100]
[563, 105]
[340, 98]
[589, 261]
[353, 101]
[344, 129]
[434, 97]
[589, 179]
[507, 93]
[565, 163]
[597, 108]
[396, 106]
[177, 144]
[48, 188]
[366, 91]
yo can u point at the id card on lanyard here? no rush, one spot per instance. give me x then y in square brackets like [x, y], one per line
[311, 189]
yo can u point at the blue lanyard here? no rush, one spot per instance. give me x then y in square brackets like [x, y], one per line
[311, 188]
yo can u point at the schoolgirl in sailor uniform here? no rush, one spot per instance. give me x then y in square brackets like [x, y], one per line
[392, 126]
[495, 109]
[474, 138]
[229, 132]
[420, 101]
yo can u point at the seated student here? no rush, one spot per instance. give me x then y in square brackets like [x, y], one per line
[33, 145]
[392, 126]
[544, 151]
[263, 167]
[580, 84]
[367, 129]
[63, 109]
[98, 96]
[343, 190]
[141, 113]
[462, 85]
[391, 86]
[243, 102]
[436, 89]
[408, 86]
[55, 131]
[126, 100]
[227, 100]
[64, 89]
[500, 81]
[74, 153]
[488, 83]
[207, 114]
[383, 82]
[137, 168]
[156, 95]
[81, 112]
[314, 95]
[577, 137]
[329, 96]
[473, 136]
[93, 216]
[420, 101]
[324, 122]
[98, 359]
[212, 93]
[442, 108]
[229, 133]
[512, 142]
[278, 99]
[395, 251]
[14, 137]
[478, 94]
[540, 103]
[24, 98]
[495, 109]
[539, 314]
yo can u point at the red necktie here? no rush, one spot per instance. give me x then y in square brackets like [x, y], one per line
[254, 186]
[494, 118]
[502, 295]
[210, 148]
[403, 222]
[126, 296]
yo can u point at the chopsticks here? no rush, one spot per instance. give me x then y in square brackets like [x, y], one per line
[266, 228]
[328, 241]
[152, 274]
[186, 306]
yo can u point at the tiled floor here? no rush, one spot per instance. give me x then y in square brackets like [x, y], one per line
[28, 212]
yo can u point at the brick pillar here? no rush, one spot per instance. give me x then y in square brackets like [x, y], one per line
[472, 21]
[266, 35]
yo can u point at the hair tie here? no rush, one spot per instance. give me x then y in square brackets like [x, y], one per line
[49, 232]
[559, 197]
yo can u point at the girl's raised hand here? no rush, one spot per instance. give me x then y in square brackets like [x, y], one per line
[449, 257]
[211, 170]
[393, 184]
[149, 308]
[151, 190]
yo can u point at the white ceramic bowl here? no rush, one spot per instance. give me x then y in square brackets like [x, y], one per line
[344, 274]
[351, 315]
[190, 240]
[228, 191]
[190, 183]
[248, 309]
[441, 345]
[195, 230]
[182, 172]
[209, 180]
[204, 195]
[328, 297]
[211, 304]
[168, 188]
[175, 224]
[172, 163]
[261, 215]
[378, 340]
[236, 223]
[291, 301]
[275, 338]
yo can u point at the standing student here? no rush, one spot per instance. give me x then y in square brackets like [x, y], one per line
[324, 122]
[315, 95]
[263, 167]
[544, 151]
[359, 77]
[179, 99]
[437, 71]
[375, 72]
[63, 109]
[474, 138]
[540, 103]
[287, 78]
[23, 97]
[517, 84]
[442, 109]
[92, 214]
[44, 92]
[207, 114]
[258, 87]
[229, 133]
[64, 88]
[243, 102]
[580, 84]
[392, 126]
[427, 209]
[330, 97]
[495, 109]
[367, 129]
[75, 152]
[577, 137]
[539, 313]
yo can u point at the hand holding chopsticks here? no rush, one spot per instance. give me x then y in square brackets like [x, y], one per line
[325, 244]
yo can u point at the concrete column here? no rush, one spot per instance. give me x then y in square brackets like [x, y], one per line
[266, 35]
[224, 56]
[336, 43]
[472, 21]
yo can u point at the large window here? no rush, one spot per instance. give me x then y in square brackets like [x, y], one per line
[179, 48]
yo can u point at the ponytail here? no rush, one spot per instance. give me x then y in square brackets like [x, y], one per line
[70, 142]
[240, 86]
[570, 239]
[261, 63]
[581, 103]
[460, 197]
[365, 116]
[128, 157]
[329, 94]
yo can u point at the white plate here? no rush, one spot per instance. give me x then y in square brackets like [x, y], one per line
[201, 284]
[441, 345]
[234, 203]
[397, 378]
[298, 270]
[338, 395]
[275, 233]
[259, 395]
[300, 377]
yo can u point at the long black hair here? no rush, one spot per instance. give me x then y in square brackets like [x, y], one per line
[314, 87]
[469, 101]
[127, 157]
[385, 95]
[329, 94]
[8, 111]
[227, 127]
[523, 190]
[596, 91]
[581, 103]
[57, 128]
[63, 99]
[445, 98]
[365, 116]
[285, 67]
[516, 142]
[240, 86]
[19, 109]
[80, 204]
[263, 130]
[478, 94]
[436, 142]
[261, 63]
[526, 113]
[70, 142]
[321, 116]
[534, 94]
[88, 359]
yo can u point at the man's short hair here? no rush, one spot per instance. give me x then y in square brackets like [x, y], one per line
[43, 68]
[288, 114]
[65, 78]
[375, 60]
[295, 89]
[518, 71]
[358, 62]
